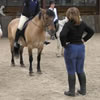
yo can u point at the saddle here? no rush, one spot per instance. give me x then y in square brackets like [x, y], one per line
[24, 28]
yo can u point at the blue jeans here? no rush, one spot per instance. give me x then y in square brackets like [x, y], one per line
[74, 55]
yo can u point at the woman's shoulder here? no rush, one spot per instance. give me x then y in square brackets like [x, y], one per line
[69, 23]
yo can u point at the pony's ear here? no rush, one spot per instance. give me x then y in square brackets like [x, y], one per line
[43, 10]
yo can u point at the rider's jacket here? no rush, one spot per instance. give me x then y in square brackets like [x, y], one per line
[31, 8]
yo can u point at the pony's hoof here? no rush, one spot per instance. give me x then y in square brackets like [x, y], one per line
[16, 56]
[31, 73]
[12, 64]
[39, 72]
[22, 65]
[58, 55]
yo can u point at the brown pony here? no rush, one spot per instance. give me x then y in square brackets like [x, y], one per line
[34, 36]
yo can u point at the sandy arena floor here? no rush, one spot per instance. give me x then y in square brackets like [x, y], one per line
[16, 84]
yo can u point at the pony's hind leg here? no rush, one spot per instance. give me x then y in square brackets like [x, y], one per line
[21, 56]
[12, 59]
[38, 61]
[30, 60]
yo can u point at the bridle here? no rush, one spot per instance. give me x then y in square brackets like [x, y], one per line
[45, 26]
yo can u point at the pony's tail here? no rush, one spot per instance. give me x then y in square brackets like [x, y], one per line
[16, 51]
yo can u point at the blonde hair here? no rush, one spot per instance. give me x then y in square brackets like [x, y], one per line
[73, 13]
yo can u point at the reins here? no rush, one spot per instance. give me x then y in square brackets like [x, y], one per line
[36, 24]
[40, 18]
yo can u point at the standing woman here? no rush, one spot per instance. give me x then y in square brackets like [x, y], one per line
[31, 9]
[74, 49]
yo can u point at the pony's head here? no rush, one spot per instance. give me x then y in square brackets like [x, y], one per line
[48, 17]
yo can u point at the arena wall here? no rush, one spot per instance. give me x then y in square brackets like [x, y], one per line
[92, 20]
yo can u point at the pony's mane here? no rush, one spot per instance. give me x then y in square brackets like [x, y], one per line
[49, 12]
[40, 15]
[37, 17]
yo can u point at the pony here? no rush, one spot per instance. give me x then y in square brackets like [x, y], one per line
[34, 37]
[1, 33]
[60, 49]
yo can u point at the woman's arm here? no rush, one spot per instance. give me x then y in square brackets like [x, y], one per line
[89, 31]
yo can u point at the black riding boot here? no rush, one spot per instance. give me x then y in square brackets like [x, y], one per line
[82, 81]
[16, 44]
[71, 82]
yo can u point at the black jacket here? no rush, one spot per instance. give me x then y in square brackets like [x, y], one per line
[31, 8]
[74, 33]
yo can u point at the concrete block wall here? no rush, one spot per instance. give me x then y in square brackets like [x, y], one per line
[4, 21]
[92, 20]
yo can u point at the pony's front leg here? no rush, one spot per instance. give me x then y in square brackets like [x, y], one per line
[38, 61]
[30, 60]
[21, 56]
[58, 48]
